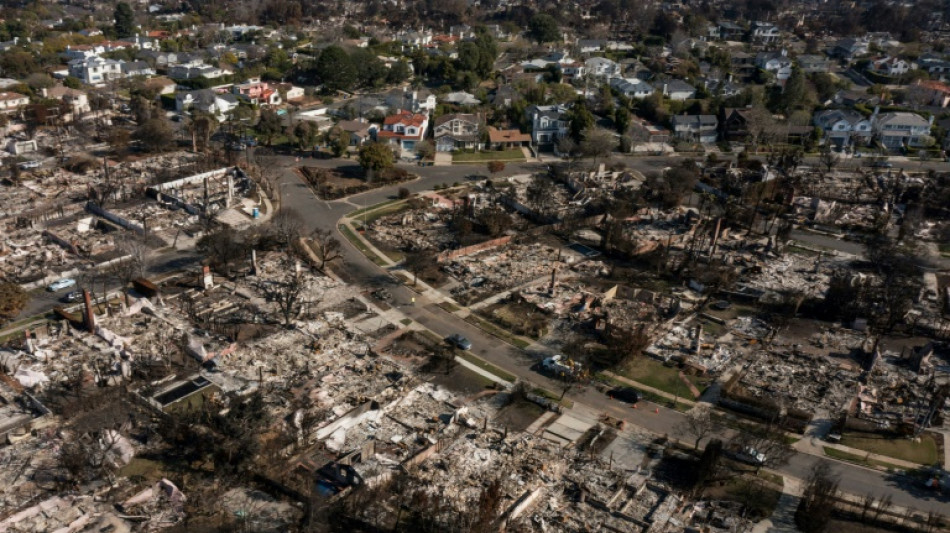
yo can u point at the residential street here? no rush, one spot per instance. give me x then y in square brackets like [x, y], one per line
[360, 270]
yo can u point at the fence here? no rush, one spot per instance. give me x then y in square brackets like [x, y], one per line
[449, 255]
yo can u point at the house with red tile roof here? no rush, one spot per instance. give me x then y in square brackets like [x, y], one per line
[404, 129]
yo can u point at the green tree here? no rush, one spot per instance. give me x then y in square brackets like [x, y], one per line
[155, 134]
[335, 69]
[305, 134]
[544, 29]
[269, 125]
[12, 300]
[124, 20]
[398, 72]
[622, 120]
[794, 93]
[339, 140]
[579, 119]
[370, 70]
[72, 82]
[375, 157]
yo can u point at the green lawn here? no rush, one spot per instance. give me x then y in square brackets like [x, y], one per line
[645, 395]
[944, 249]
[449, 306]
[857, 459]
[484, 157]
[653, 373]
[485, 365]
[923, 452]
[355, 241]
[502, 334]
[389, 209]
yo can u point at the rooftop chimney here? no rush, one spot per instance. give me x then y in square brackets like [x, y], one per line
[89, 318]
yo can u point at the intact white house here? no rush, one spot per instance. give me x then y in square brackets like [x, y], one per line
[10, 101]
[95, 70]
[602, 68]
[632, 87]
[900, 128]
[548, 123]
[206, 101]
[844, 127]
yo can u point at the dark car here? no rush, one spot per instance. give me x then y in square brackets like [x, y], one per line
[721, 305]
[882, 164]
[459, 341]
[625, 394]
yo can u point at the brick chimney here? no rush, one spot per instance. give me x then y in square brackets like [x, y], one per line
[89, 318]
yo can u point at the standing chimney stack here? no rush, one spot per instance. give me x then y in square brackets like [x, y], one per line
[89, 318]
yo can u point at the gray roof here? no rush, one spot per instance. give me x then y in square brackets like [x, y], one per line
[704, 121]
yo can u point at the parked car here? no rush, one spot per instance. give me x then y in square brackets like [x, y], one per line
[73, 297]
[61, 284]
[238, 147]
[751, 456]
[882, 164]
[459, 341]
[26, 165]
[722, 305]
[562, 366]
[625, 394]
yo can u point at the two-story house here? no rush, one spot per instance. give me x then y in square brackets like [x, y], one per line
[890, 66]
[776, 63]
[811, 64]
[256, 92]
[843, 127]
[10, 101]
[458, 132]
[900, 129]
[548, 124]
[206, 101]
[95, 70]
[415, 101]
[850, 49]
[130, 69]
[404, 129]
[632, 87]
[696, 128]
[602, 68]
[76, 100]
[195, 69]
[765, 32]
[678, 90]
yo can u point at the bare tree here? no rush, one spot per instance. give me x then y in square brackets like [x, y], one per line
[287, 227]
[769, 441]
[818, 500]
[699, 423]
[288, 294]
[134, 258]
[328, 247]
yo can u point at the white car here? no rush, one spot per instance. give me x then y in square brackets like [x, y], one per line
[26, 165]
[61, 284]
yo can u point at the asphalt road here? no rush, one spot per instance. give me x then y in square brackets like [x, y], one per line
[360, 270]
[43, 301]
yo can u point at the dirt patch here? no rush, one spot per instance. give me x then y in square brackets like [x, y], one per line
[331, 184]
[462, 380]
[518, 415]
[520, 318]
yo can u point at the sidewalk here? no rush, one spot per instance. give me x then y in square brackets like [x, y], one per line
[783, 516]
[651, 390]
